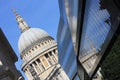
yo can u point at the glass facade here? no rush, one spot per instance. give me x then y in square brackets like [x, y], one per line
[71, 8]
[66, 53]
[98, 30]
[86, 30]
[95, 29]
[94, 33]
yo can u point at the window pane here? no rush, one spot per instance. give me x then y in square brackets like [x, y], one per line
[94, 33]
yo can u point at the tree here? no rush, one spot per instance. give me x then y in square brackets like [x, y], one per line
[111, 65]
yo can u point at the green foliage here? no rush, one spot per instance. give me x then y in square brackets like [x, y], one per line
[111, 65]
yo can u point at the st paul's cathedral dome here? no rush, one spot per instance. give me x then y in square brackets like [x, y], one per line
[39, 53]
[29, 37]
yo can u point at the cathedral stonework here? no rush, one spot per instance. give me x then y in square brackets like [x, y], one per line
[39, 53]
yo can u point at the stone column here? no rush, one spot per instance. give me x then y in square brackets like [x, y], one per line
[29, 74]
[51, 59]
[56, 51]
[41, 65]
[38, 66]
[34, 68]
[55, 57]
[26, 72]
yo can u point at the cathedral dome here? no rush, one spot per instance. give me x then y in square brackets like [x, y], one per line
[29, 37]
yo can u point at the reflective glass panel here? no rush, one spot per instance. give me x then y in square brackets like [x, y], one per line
[94, 33]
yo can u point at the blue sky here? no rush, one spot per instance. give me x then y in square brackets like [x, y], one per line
[42, 14]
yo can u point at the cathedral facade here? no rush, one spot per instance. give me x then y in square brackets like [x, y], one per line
[39, 53]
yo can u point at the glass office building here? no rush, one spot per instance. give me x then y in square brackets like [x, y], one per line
[97, 32]
[94, 34]
[67, 55]
[87, 31]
